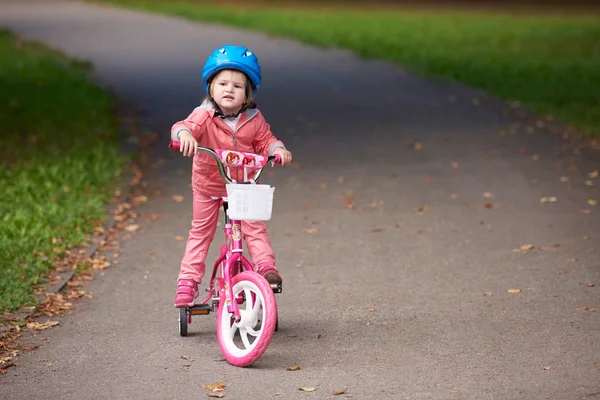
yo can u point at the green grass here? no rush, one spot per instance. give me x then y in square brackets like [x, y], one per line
[550, 64]
[58, 161]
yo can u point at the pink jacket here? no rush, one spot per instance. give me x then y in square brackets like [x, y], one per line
[251, 135]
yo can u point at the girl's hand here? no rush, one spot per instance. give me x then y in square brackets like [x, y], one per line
[286, 156]
[189, 145]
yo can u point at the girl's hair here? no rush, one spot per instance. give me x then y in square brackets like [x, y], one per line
[248, 102]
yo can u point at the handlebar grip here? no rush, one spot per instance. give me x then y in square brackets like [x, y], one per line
[277, 158]
[174, 145]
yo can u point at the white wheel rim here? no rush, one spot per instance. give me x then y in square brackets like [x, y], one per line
[249, 329]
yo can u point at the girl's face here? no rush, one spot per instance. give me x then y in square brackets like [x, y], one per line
[228, 89]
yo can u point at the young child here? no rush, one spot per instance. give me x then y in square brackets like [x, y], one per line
[227, 119]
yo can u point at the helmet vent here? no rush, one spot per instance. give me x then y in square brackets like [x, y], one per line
[248, 53]
[222, 50]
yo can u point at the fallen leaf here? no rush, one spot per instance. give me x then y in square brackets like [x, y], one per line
[586, 212]
[545, 200]
[488, 195]
[417, 146]
[535, 157]
[589, 183]
[453, 196]
[487, 293]
[217, 387]
[310, 230]
[140, 200]
[454, 165]
[586, 237]
[188, 358]
[592, 202]
[586, 308]
[526, 247]
[341, 179]
[591, 284]
[133, 228]
[564, 179]
[179, 238]
[421, 209]
[546, 368]
[178, 198]
[294, 368]
[338, 392]
[514, 290]
[374, 230]
[491, 205]
[219, 395]
[372, 309]
[593, 175]
[323, 186]
[41, 326]
[151, 252]
[319, 336]
[564, 272]
[572, 260]
[307, 389]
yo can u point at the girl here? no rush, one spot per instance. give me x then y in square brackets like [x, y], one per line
[227, 119]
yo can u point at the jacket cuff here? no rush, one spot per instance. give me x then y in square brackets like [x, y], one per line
[175, 133]
[276, 145]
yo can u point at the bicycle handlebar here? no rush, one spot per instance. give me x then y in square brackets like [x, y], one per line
[221, 166]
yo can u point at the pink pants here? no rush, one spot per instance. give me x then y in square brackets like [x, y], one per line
[204, 225]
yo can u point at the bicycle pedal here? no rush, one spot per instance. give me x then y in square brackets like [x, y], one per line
[200, 309]
[277, 288]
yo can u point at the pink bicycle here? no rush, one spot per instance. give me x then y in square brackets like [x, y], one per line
[243, 299]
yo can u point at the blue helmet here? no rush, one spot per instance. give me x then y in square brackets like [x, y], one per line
[232, 57]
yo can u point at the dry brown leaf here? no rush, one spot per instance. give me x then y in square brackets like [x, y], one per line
[217, 387]
[563, 272]
[514, 290]
[586, 308]
[341, 179]
[310, 230]
[593, 175]
[488, 195]
[487, 293]
[133, 228]
[490, 205]
[592, 202]
[307, 389]
[179, 238]
[372, 310]
[140, 200]
[417, 146]
[294, 368]
[319, 336]
[323, 186]
[454, 196]
[454, 165]
[586, 212]
[526, 247]
[338, 392]
[421, 209]
[546, 368]
[219, 395]
[41, 326]
[178, 198]
[591, 284]
[55, 304]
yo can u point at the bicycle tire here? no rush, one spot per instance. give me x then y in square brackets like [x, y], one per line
[263, 308]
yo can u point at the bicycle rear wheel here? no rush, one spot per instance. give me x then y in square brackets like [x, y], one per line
[244, 342]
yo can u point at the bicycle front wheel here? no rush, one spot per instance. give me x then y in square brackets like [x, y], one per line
[244, 342]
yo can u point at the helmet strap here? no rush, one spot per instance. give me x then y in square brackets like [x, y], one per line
[219, 112]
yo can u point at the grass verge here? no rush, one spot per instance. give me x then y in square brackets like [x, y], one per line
[549, 63]
[59, 158]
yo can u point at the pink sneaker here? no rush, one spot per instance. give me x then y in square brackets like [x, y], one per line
[187, 291]
[271, 274]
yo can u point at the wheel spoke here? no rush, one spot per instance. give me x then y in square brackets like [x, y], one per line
[244, 336]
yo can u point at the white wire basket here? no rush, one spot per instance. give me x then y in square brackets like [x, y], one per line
[249, 202]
